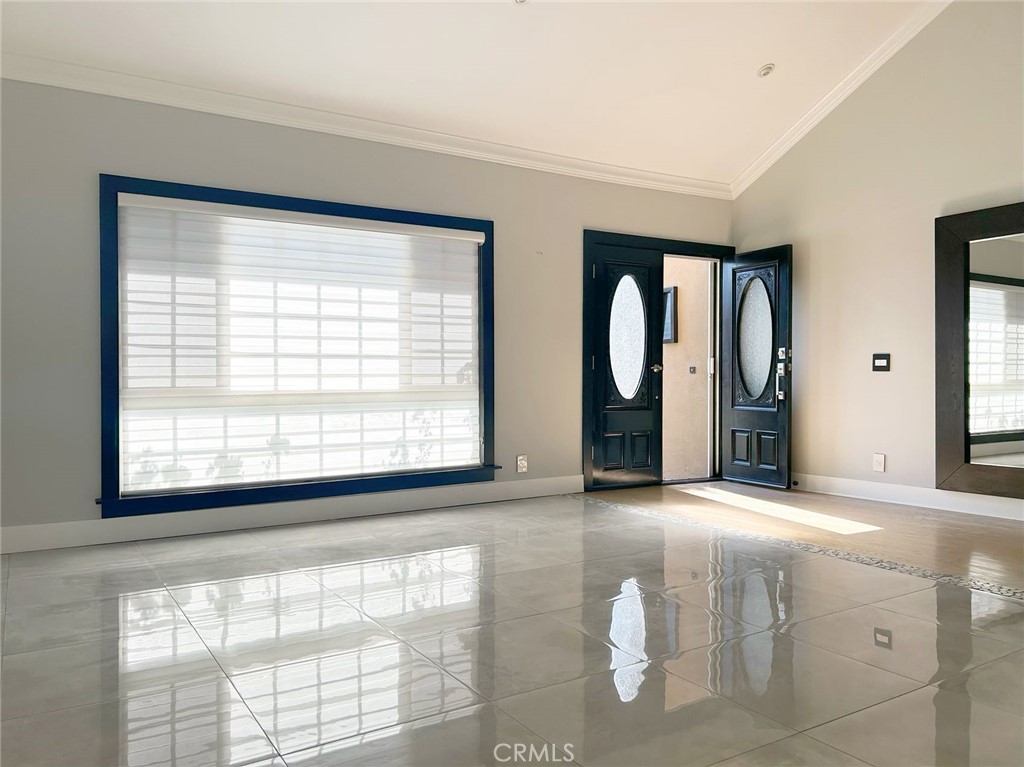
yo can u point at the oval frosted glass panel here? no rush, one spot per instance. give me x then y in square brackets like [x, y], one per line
[755, 337]
[627, 337]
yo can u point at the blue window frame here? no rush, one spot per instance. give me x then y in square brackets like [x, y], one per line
[116, 503]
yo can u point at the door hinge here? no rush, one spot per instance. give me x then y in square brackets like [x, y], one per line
[593, 272]
[593, 363]
[591, 452]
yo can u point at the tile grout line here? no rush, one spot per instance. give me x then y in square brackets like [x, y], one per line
[277, 752]
[398, 640]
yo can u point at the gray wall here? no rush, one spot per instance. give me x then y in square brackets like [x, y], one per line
[938, 130]
[55, 142]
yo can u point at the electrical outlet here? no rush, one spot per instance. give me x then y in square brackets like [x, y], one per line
[521, 464]
[878, 462]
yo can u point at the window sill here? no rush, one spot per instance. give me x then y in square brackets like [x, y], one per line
[135, 505]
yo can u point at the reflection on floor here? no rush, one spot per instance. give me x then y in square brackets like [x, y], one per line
[561, 629]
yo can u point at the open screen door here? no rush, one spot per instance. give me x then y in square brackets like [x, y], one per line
[756, 365]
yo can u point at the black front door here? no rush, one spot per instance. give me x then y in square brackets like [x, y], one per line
[623, 320]
[756, 365]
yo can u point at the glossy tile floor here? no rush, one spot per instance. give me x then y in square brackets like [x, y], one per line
[967, 545]
[560, 629]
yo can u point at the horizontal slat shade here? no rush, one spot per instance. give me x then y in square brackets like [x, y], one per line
[277, 349]
[996, 358]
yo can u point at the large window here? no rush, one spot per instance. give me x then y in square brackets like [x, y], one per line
[996, 357]
[261, 348]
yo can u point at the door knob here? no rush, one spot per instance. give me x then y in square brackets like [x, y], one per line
[656, 368]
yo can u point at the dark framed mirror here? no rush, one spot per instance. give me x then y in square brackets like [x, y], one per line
[979, 351]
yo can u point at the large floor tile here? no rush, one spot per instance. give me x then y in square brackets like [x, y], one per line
[338, 531]
[334, 553]
[649, 625]
[744, 555]
[668, 569]
[999, 683]
[498, 558]
[70, 588]
[794, 751]
[91, 672]
[77, 559]
[311, 627]
[256, 594]
[44, 626]
[479, 735]
[302, 705]
[516, 530]
[514, 656]
[199, 546]
[928, 727]
[962, 609]
[361, 578]
[760, 599]
[658, 534]
[184, 572]
[793, 683]
[561, 586]
[908, 646]
[205, 725]
[852, 580]
[581, 546]
[438, 605]
[433, 539]
[638, 715]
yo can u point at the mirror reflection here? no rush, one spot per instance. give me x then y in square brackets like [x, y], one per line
[995, 335]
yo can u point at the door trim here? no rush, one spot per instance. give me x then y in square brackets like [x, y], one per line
[668, 247]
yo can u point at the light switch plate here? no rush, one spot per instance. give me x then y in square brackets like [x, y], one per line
[521, 464]
[878, 461]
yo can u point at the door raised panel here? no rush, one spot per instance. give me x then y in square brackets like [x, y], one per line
[615, 450]
[767, 449]
[740, 443]
[641, 449]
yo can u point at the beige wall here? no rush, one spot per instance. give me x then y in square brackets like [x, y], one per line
[56, 142]
[938, 130]
[686, 395]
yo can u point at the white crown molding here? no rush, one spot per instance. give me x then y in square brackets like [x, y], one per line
[75, 77]
[837, 95]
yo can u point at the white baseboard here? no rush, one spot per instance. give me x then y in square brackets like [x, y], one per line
[92, 531]
[908, 495]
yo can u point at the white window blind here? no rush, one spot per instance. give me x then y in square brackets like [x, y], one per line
[996, 358]
[264, 346]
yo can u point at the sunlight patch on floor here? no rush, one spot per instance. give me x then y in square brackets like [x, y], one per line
[781, 511]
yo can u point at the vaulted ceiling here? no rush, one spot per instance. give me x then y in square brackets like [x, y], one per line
[663, 95]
